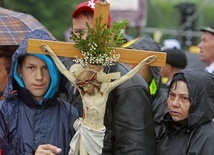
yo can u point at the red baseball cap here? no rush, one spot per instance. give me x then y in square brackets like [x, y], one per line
[85, 6]
[88, 6]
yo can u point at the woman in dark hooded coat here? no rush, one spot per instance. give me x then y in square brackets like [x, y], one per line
[34, 120]
[190, 129]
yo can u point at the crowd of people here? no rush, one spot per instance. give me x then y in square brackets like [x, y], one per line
[141, 116]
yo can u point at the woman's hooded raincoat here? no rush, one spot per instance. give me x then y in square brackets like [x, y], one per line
[25, 123]
[195, 135]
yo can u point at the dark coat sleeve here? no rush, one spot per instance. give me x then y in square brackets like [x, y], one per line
[4, 142]
[159, 108]
[203, 140]
[129, 123]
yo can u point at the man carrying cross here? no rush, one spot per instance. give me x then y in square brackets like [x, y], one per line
[128, 115]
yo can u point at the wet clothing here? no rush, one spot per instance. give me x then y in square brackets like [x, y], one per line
[128, 118]
[26, 123]
[159, 108]
[194, 135]
[158, 95]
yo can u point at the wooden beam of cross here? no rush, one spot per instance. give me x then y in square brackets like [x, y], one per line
[67, 49]
[101, 8]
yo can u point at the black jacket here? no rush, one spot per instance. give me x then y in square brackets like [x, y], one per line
[158, 97]
[195, 135]
[128, 118]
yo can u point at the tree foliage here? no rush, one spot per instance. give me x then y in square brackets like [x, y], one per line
[56, 15]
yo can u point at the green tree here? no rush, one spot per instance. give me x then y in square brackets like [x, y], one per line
[56, 15]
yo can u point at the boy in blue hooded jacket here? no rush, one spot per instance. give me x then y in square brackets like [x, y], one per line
[35, 120]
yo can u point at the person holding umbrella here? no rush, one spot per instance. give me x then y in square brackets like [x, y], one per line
[34, 120]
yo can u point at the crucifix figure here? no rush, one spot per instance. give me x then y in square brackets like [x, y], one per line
[94, 86]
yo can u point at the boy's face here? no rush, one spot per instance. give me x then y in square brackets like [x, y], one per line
[35, 75]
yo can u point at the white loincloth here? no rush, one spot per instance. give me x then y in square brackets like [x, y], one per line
[92, 139]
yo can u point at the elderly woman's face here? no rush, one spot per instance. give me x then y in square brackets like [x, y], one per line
[178, 101]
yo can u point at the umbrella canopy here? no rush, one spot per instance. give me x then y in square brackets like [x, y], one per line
[15, 26]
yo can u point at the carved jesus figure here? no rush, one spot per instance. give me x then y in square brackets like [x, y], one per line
[94, 87]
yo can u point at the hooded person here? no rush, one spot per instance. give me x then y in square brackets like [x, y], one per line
[189, 125]
[35, 118]
[153, 77]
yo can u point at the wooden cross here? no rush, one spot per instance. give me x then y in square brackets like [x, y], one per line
[67, 49]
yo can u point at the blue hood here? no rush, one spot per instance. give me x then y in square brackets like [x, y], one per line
[21, 51]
